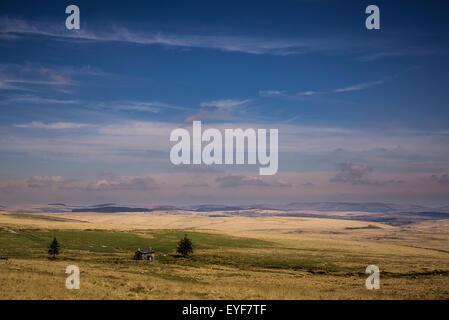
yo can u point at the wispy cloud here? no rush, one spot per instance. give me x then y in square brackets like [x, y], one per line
[46, 181]
[53, 125]
[37, 100]
[232, 181]
[359, 86]
[11, 28]
[196, 185]
[28, 76]
[7, 85]
[218, 110]
[228, 103]
[401, 53]
[55, 80]
[352, 173]
[106, 183]
[25, 78]
[309, 93]
[442, 179]
[124, 183]
[268, 93]
[357, 174]
[14, 28]
[355, 87]
[145, 106]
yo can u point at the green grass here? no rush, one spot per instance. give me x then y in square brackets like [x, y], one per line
[25, 243]
[114, 250]
[166, 240]
[117, 248]
[271, 258]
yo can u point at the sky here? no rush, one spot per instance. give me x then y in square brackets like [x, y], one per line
[86, 114]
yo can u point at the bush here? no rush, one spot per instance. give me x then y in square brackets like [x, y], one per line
[185, 247]
[53, 248]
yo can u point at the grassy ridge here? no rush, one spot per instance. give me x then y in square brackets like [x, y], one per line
[222, 266]
[100, 246]
[29, 242]
[210, 249]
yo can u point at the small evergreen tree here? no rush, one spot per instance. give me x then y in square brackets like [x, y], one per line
[54, 248]
[185, 246]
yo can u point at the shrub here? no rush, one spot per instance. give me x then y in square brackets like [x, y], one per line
[185, 246]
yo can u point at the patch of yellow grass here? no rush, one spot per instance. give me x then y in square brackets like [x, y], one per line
[26, 279]
[396, 250]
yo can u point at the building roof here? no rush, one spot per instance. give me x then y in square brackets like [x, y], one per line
[145, 251]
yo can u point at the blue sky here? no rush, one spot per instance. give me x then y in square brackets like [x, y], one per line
[86, 114]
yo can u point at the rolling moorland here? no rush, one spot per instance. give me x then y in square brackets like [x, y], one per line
[296, 251]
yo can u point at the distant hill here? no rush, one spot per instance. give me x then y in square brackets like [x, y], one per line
[390, 213]
[351, 206]
[213, 207]
[391, 218]
[111, 209]
[321, 206]
[164, 208]
[103, 205]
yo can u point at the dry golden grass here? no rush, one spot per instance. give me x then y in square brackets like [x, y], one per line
[412, 260]
[26, 279]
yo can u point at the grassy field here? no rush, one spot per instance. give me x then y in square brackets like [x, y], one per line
[257, 258]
